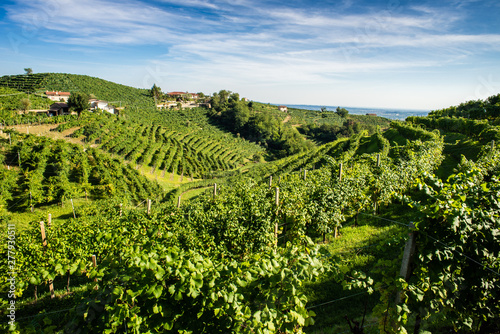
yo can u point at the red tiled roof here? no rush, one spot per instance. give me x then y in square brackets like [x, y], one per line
[177, 93]
[57, 93]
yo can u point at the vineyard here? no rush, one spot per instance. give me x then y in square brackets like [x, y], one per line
[121, 95]
[357, 235]
[186, 145]
[39, 171]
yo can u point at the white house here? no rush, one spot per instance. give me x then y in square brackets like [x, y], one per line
[103, 105]
[283, 108]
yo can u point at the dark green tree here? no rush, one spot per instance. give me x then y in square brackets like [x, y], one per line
[78, 102]
[342, 112]
[28, 70]
[155, 92]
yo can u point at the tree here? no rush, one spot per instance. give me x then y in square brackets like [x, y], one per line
[155, 92]
[78, 102]
[25, 104]
[28, 70]
[342, 112]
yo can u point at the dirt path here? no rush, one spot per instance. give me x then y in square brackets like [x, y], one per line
[287, 118]
[46, 131]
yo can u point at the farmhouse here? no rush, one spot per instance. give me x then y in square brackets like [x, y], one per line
[58, 96]
[182, 95]
[57, 109]
[103, 105]
[283, 108]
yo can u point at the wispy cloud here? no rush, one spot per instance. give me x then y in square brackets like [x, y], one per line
[262, 42]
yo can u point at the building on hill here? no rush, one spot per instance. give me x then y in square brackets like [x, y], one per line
[58, 96]
[183, 95]
[283, 108]
[57, 109]
[368, 114]
[103, 105]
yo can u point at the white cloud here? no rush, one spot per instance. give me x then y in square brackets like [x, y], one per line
[250, 43]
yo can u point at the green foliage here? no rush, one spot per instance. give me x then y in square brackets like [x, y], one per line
[165, 141]
[264, 128]
[11, 99]
[78, 102]
[342, 112]
[101, 89]
[55, 171]
[479, 109]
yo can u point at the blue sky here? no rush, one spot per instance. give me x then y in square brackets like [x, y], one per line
[393, 53]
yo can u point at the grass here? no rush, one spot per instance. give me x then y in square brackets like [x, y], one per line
[60, 214]
[457, 145]
[356, 249]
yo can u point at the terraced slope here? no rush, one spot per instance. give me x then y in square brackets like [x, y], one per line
[185, 145]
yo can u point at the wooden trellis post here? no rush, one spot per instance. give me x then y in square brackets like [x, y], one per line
[73, 207]
[270, 181]
[277, 203]
[305, 174]
[378, 160]
[49, 222]
[94, 263]
[44, 243]
[149, 206]
[215, 190]
[405, 271]
[178, 202]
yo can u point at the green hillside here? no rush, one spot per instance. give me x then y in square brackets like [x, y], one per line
[255, 226]
[11, 100]
[101, 89]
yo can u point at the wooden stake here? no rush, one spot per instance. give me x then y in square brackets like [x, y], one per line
[73, 207]
[121, 209]
[215, 190]
[277, 203]
[270, 181]
[49, 222]
[149, 206]
[492, 145]
[10, 140]
[405, 271]
[44, 242]
[340, 172]
[94, 263]
[378, 160]
[42, 230]
[178, 202]
[305, 174]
